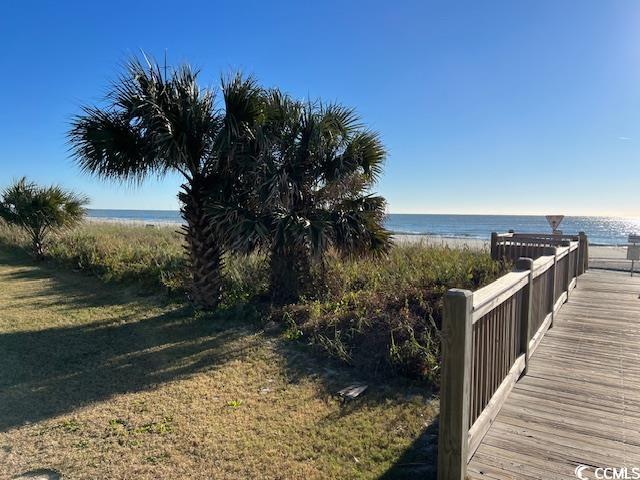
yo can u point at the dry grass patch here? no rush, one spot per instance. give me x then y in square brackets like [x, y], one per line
[97, 382]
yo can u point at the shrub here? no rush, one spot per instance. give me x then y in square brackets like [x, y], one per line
[384, 315]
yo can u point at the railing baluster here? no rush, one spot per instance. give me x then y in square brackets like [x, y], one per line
[524, 264]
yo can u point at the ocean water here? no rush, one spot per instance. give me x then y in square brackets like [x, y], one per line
[601, 230]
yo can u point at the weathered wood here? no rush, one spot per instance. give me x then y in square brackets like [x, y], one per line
[494, 245]
[492, 333]
[537, 337]
[526, 265]
[584, 244]
[567, 278]
[489, 297]
[580, 402]
[455, 389]
[560, 301]
[563, 251]
[553, 289]
[542, 264]
[511, 246]
[484, 421]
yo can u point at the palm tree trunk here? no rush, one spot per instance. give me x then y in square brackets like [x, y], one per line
[205, 252]
[290, 273]
[37, 245]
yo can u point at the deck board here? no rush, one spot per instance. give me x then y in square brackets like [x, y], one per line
[580, 401]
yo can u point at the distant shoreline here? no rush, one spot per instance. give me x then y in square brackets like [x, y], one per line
[419, 228]
[454, 241]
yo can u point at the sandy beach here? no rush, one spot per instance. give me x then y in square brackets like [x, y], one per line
[610, 258]
[606, 257]
[453, 242]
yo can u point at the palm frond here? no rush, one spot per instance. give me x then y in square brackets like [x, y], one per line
[39, 210]
[107, 144]
[358, 226]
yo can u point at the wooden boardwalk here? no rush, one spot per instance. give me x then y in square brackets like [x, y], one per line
[579, 403]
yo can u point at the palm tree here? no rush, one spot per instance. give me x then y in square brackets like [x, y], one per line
[154, 124]
[40, 211]
[312, 191]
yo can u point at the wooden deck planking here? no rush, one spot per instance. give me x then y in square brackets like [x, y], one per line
[580, 400]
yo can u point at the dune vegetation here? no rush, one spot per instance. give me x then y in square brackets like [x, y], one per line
[380, 314]
[105, 359]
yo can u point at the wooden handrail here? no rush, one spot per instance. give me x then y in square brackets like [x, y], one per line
[511, 246]
[487, 298]
[488, 337]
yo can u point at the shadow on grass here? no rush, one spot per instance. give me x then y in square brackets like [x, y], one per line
[419, 460]
[79, 289]
[119, 345]
[44, 373]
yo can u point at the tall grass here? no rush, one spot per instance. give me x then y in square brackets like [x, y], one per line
[381, 315]
[385, 314]
[151, 257]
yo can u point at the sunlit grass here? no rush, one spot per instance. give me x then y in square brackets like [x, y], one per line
[98, 382]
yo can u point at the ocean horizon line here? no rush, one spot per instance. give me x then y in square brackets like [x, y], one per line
[629, 217]
[601, 230]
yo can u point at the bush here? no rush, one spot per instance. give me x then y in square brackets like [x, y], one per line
[385, 314]
[382, 315]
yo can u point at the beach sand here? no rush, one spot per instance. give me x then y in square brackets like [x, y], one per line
[607, 257]
[611, 258]
[436, 240]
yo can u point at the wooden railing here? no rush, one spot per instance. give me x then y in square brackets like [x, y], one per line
[487, 339]
[511, 246]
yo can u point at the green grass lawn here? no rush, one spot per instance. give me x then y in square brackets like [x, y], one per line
[97, 381]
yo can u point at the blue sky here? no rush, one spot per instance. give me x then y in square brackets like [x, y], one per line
[485, 106]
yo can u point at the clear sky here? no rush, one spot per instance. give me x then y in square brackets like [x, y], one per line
[528, 106]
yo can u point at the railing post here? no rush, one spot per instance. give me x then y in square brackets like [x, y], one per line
[584, 248]
[567, 277]
[580, 255]
[524, 264]
[553, 286]
[577, 265]
[455, 385]
[494, 245]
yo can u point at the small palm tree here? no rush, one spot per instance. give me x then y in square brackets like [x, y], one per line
[40, 211]
[311, 191]
[154, 124]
